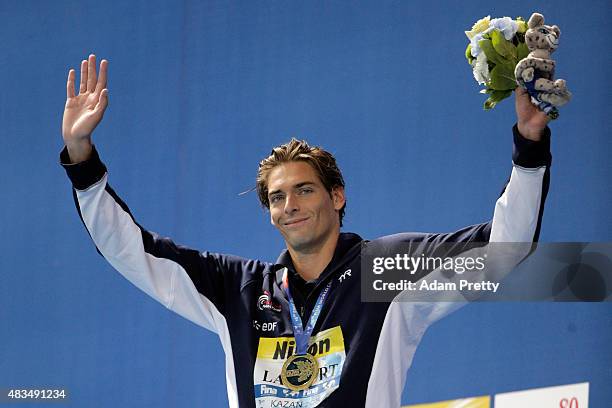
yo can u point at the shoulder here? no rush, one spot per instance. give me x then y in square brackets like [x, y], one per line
[403, 237]
[239, 269]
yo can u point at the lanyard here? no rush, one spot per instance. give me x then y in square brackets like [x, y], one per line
[302, 335]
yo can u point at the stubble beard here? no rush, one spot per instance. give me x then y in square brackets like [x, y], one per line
[309, 244]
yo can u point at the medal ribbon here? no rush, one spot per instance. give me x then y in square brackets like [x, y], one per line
[302, 335]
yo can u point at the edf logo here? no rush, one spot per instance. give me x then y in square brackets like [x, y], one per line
[265, 327]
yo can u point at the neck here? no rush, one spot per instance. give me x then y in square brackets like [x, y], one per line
[309, 265]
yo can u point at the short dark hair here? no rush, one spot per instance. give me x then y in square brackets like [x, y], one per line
[322, 161]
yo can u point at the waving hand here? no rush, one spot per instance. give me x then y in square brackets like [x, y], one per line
[84, 111]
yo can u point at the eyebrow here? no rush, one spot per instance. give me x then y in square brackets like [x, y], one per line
[298, 185]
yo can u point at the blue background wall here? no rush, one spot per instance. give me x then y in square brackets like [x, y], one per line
[199, 93]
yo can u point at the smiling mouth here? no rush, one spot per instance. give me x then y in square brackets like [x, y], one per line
[296, 223]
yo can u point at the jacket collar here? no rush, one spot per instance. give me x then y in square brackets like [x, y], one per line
[346, 241]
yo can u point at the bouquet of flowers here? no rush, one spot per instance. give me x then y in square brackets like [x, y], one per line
[496, 46]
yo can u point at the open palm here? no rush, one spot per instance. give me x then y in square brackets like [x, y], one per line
[84, 111]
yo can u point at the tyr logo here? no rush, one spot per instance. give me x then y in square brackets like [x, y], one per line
[346, 273]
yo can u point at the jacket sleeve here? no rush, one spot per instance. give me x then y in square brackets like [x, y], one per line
[516, 219]
[191, 283]
[518, 211]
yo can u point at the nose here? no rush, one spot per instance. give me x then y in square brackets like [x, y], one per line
[291, 204]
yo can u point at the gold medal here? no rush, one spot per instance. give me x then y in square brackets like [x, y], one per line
[299, 371]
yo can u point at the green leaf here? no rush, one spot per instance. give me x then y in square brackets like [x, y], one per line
[506, 69]
[496, 97]
[468, 53]
[502, 77]
[522, 51]
[492, 55]
[504, 48]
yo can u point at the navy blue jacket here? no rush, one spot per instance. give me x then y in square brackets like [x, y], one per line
[363, 349]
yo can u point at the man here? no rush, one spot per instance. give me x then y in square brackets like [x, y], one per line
[293, 331]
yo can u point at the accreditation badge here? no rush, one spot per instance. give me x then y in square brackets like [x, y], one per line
[299, 371]
[302, 370]
[273, 389]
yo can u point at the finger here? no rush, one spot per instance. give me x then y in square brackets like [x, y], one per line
[83, 84]
[91, 73]
[518, 95]
[520, 91]
[102, 101]
[523, 99]
[70, 84]
[102, 78]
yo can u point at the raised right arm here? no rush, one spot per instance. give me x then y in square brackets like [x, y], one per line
[194, 284]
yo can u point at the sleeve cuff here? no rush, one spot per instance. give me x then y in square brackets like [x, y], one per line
[83, 174]
[531, 154]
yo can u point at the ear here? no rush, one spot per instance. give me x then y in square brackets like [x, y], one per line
[535, 20]
[556, 30]
[338, 197]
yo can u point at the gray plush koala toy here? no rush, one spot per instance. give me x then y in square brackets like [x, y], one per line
[536, 72]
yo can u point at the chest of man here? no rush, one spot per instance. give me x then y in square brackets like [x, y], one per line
[343, 340]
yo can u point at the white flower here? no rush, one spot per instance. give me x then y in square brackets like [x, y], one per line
[506, 25]
[481, 69]
[475, 50]
[478, 27]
